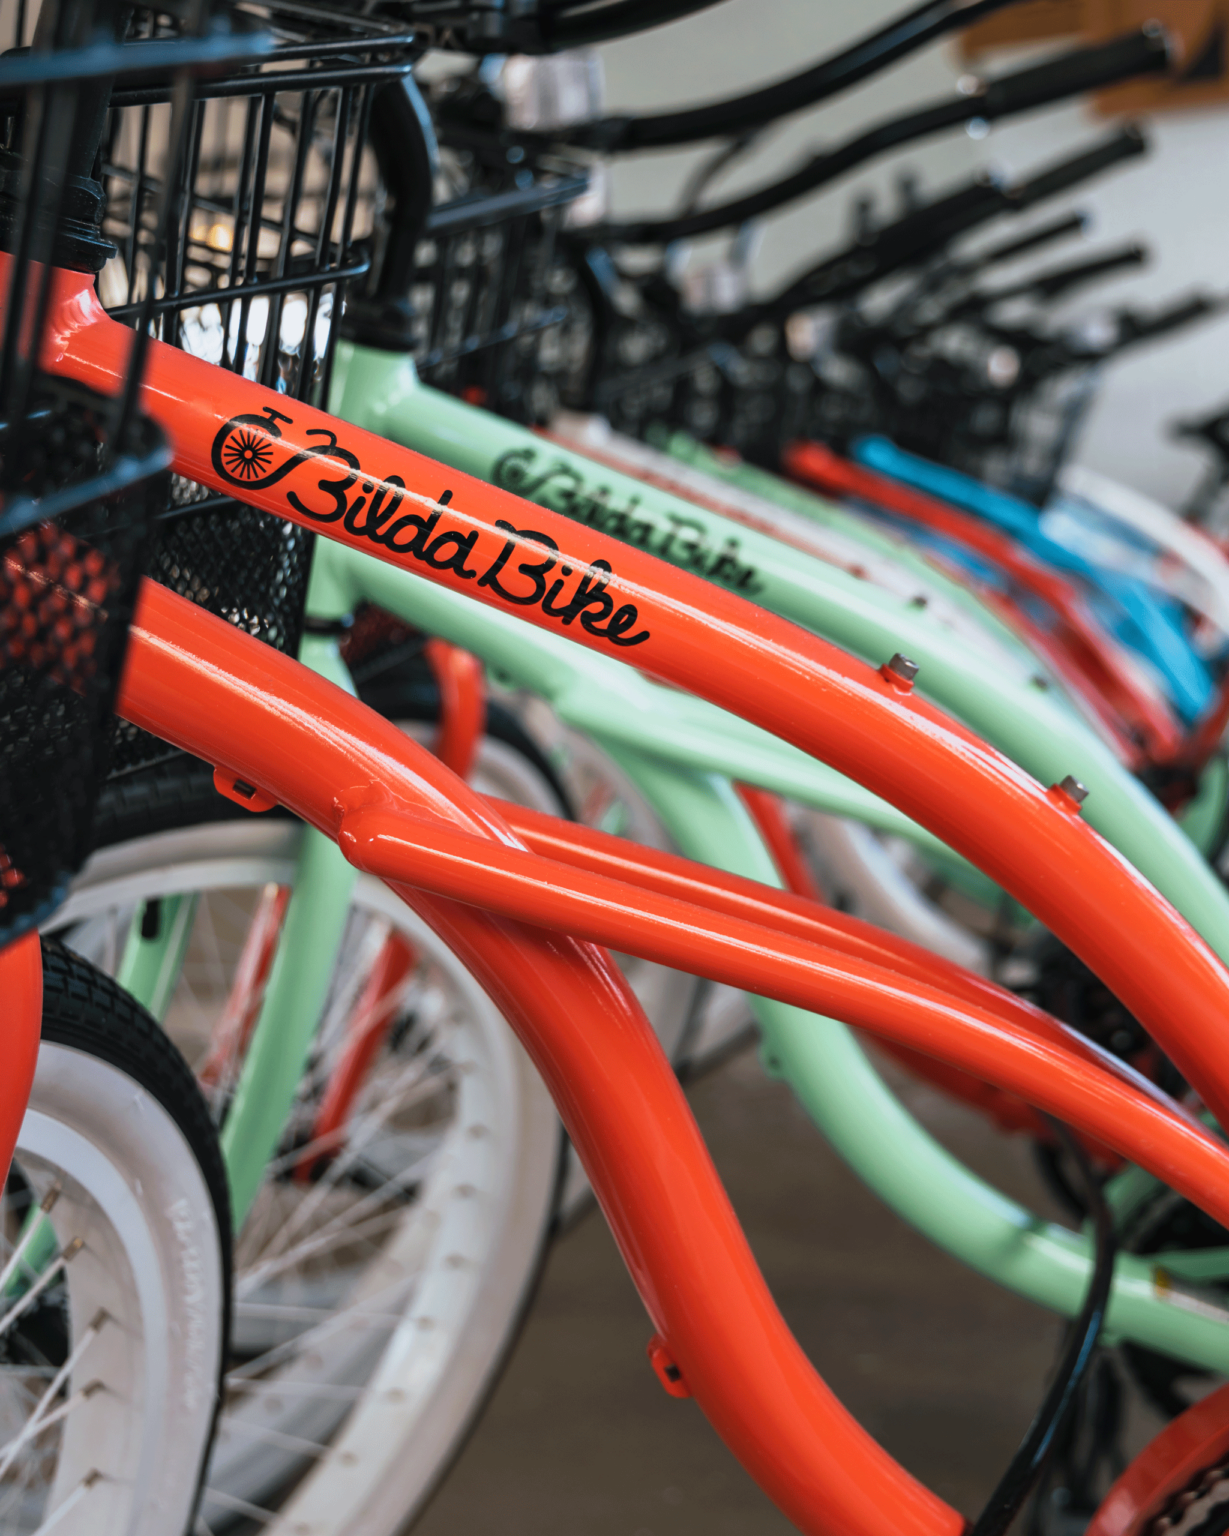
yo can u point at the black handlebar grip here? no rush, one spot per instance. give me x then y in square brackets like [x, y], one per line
[1126, 144]
[1143, 52]
[1059, 281]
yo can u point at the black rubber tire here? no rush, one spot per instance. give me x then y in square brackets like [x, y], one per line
[87, 1011]
[162, 798]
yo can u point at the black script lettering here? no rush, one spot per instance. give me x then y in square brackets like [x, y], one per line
[621, 620]
[512, 469]
[595, 509]
[566, 495]
[338, 489]
[423, 528]
[727, 566]
[461, 544]
[383, 507]
[685, 528]
[536, 573]
[589, 594]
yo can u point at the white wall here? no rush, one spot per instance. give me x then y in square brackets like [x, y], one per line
[1177, 199]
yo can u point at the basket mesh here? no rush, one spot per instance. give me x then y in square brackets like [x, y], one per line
[274, 217]
[66, 593]
[493, 298]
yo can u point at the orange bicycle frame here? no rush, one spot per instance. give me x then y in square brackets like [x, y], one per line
[277, 732]
[396, 809]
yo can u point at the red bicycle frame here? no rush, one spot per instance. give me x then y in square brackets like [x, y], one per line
[1143, 728]
[518, 915]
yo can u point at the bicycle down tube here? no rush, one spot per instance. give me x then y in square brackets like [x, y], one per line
[215, 692]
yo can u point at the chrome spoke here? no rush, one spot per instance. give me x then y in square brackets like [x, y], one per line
[53, 1270]
[41, 1419]
[33, 1227]
[70, 1503]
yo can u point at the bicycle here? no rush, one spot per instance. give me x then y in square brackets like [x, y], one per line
[972, 1234]
[229, 714]
[223, 429]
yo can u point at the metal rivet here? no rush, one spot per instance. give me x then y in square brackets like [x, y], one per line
[903, 668]
[1072, 786]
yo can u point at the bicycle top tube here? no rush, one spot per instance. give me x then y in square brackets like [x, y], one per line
[1029, 723]
[616, 705]
[307, 467]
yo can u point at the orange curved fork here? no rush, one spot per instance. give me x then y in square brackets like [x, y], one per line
[554, 572]
[238, 1018]
[21, 999]
[462, 687]
[367, 1029]
[1087, 646]
[215, 691]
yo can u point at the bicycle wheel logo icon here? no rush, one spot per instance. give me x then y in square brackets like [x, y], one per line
[245, 456]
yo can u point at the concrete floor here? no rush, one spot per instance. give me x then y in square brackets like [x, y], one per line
[943, 1367]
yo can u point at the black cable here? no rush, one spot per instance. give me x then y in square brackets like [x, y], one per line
[1028, 1463]
[573, 26]
[1142, 52]
[924, 24]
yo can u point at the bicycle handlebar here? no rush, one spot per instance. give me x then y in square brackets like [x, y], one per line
[1126, 144]
[580, 25]
[626, 134]
[1142, 52]
[925, 231]
[1021, 245]
[1056, 283]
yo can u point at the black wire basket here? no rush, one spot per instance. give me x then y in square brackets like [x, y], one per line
[277, 211]
[494, 297]
[76, 542]
[82, 476]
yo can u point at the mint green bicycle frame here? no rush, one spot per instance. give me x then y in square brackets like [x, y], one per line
[682, 755]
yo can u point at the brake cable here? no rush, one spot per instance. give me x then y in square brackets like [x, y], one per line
[1029, 1461]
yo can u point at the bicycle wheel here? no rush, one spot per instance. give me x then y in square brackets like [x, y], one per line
[114, 1274]
[380, 1277]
